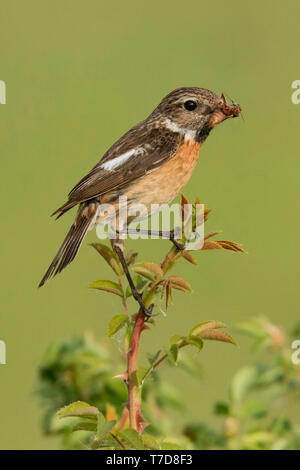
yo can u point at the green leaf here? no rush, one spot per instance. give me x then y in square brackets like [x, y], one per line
[104, 443]
[108, 286]
[105, 428]
[206, 325]
[195, 341]
[281, 425]
[152, 359]
[221, 408]
[79, 409]
[173, 353]
[151, 271]
[115, 324]
[258, 440]
[131, 438]
[139, 282]
[86, 426]
[243, 382]
[109, 256]
[131, 258]
[100, 422]
[272, 392]
[141, 374]
[272, 375]
[255, 327]
[170, 446]
[128, 292]
[175, 339]
[256, 409]
[143, 272]
[150, 442]
[261, 343]
[153, 268]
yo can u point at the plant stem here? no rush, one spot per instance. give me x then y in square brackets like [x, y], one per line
[117, 440]
[134, 394]
[124, 418]
[157, 363]
[123, 298]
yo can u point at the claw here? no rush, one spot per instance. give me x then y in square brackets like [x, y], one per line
[179, 246]
[147, 311]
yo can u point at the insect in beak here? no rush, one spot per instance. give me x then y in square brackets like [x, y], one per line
[224, 111]
[233, 104]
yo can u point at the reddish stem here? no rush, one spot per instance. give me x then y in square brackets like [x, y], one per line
[134, 401]
[124, 418]
[134, 394]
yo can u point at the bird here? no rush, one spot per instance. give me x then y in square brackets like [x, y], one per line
[149, 164]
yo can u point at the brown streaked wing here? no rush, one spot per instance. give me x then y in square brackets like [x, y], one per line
[160, 145]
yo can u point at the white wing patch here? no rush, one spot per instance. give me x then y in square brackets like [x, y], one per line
[116, 162]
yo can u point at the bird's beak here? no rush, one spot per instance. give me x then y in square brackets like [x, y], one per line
[224, 111]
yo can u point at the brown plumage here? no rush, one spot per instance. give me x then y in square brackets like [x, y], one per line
[149, 164]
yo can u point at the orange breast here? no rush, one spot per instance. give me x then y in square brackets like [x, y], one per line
[162, 185]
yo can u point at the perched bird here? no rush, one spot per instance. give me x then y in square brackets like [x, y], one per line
[149, 164]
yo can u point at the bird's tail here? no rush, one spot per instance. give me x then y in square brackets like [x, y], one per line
[71, 243]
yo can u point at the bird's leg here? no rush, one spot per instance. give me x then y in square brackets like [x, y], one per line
[179, 246]
[118, 246]
[170, 234]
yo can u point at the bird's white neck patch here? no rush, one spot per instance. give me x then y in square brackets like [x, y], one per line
[187, 133]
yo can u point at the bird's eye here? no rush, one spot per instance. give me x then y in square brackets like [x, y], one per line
[190, 105]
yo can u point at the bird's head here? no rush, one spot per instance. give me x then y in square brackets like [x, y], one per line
[195, 109]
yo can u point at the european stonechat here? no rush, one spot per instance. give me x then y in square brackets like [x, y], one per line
[150, 164]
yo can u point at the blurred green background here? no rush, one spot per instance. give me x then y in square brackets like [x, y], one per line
[78, 75]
